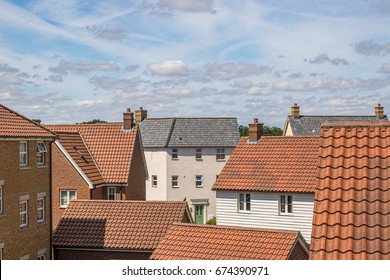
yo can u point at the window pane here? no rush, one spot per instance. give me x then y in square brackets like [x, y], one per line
[23, 147]
[72, 195]
[289, 208]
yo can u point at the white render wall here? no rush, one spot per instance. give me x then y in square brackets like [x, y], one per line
[265, 212]
[156, 162]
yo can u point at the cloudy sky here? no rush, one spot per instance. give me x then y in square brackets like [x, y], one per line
[66, 61]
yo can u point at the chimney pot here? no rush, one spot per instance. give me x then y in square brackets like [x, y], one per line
[379, 113]
[295, 111]
[255, 130]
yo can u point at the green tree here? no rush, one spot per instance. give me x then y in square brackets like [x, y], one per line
[94, 121]
[267, 131]
[38, 121]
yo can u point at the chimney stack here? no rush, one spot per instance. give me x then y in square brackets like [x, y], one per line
[379, 113]
[295, 111]
[255, 130]
[128, 119]
[140, 115]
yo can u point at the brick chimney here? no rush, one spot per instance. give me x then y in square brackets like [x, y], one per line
[140, 115]
[255, 130]
[128, 119]
[379, 113]
[295, 111]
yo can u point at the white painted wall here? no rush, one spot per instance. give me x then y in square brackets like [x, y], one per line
[265, 212]
[156, 162]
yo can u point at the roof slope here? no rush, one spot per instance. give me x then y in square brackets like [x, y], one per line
[190, 132]
[15, 125]
[117, 224]
[282, 164]
[110, 145]
[352, 200]
[75, 146]
[311, 125]
[205, 242]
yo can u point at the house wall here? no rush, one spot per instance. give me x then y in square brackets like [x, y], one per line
[24, 182]
[136, 189]
[62, 254]
[288, 130]
[65, 177]
[187, 167]
[299, 253]
[156, 161]
[265, 212]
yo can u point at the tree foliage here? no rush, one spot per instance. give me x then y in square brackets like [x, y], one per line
[94, 121]
[267, 131]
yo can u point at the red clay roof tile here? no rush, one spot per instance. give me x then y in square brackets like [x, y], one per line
[284, 164]
[351, 210]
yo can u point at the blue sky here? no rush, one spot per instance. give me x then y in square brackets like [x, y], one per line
[75, 60]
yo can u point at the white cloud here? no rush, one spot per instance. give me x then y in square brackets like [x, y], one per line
[194, 6]
[105, 33]
[83, 66]
[369, 47]
[228, 71]
[88, 103]
[385, 68]
[322, 58]
[169, 68]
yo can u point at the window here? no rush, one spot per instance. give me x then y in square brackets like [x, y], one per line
[1, 250]
[221, 154]
[244, 202]
[175, 181]
[198, 154]
[111, 193]
[23, 154]
[41, 150]
[65, 197]
[198, 181]
[175, 153]
[154, 181]
[41, 209]
[1, 198]
[286, 205]
[23, 210]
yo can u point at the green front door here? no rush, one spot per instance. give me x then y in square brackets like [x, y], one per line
[199, 212]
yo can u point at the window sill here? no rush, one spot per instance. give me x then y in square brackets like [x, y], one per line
[199, 187]
[23, 228]
[199, 159]
[244, 212]
[175, 159]
[286, 214]
[42, 166]
[24, 167]
[42, 223]
[2, 214]
[176, 187]
[221, 160]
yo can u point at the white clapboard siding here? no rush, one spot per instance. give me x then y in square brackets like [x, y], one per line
[265, 212]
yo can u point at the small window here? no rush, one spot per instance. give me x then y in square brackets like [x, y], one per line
[175, 181]
[65, 197]
[198, 154]
[41, 151]
[111, 193]
[175, 153]
[244, 203]
[286, 204]
[23, 213]
[41, 209]
[198, 181]
[23, 153]
[1, 199]
[154, 181]
[221, 154]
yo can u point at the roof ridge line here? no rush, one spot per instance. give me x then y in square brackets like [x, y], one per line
[126, 201]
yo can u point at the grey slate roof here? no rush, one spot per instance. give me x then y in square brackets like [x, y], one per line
[311, 125]
[189, 132]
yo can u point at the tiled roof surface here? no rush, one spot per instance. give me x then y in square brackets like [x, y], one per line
[205, 242]
[111, 147]
[311, 125]
[283, 164]
[77, 149]
[117, 224]
[13, 124]
[190, 132]
[352, 199]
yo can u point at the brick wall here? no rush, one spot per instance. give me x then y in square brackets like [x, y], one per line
[298, 253]
[99, 255]
[136, 189]
[24, 182]
[65, 177]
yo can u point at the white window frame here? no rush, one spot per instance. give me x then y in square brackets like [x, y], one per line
[175, 181]
[154, 181]
[286, 207]
[67, 197]
[198, 154]
[1, 250]
[110, 194]
[199, 179]
[23, 155]
[1, 198]
[41, 151]
[23, 213]
[243, 201]
[41, 209]
[175, 153]
[220, 154]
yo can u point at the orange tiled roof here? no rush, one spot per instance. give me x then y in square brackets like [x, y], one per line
[75, 146]
[352, 199]
[205, 242]
[14, 125]
[110, 145]
[283, 164]
[117, 224]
